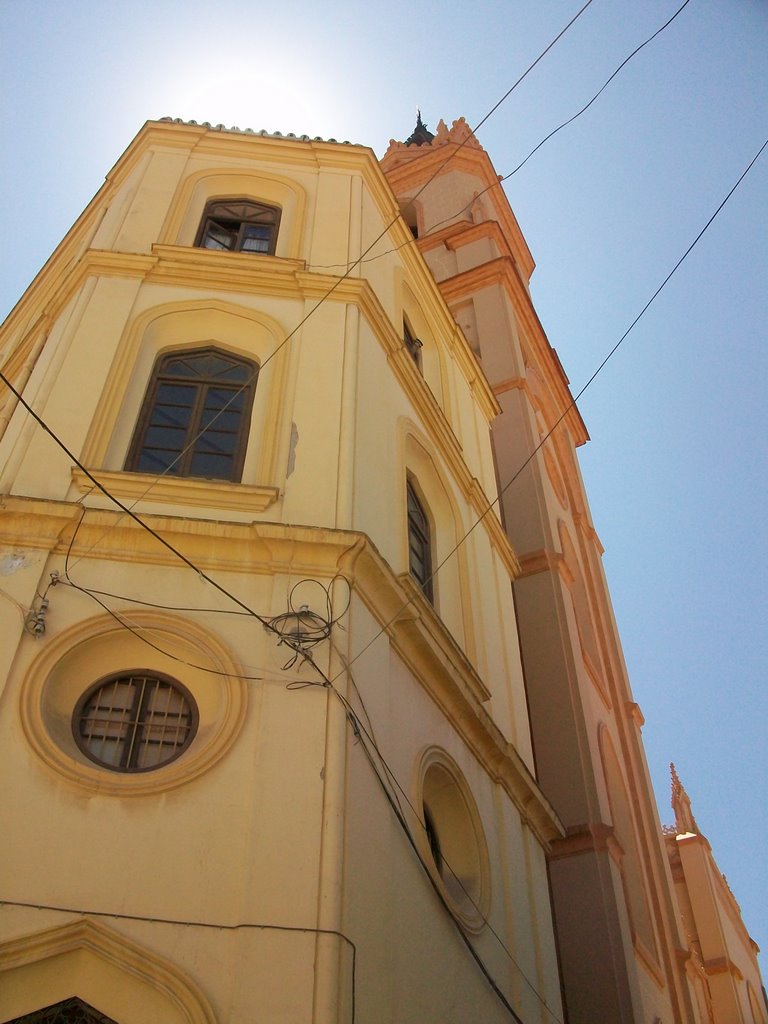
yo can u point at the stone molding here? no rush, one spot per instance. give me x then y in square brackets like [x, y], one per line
[106, 944]
[216, 494]
[221, 726]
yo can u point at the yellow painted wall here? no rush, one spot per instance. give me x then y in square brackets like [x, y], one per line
[267, 848]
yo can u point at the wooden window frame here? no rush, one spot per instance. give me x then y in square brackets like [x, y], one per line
[419, 542]
[253, 213]
[194, 429]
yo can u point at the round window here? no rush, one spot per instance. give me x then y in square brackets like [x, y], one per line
[135, 721]
[454, 837]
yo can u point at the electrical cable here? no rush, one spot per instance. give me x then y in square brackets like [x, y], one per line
[446, 905]
[264, 621]
[571, 405]
[506, 177]
[391, 775]
[243, 925]
[358, 727]
[124, 508]
[161, 650]
[135, 629]
[344, 276]
[599, 91]
[267, 624]
[151, 604]
[301, 641]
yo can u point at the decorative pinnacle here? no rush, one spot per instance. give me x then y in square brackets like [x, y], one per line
[421, 135]
[681, 805]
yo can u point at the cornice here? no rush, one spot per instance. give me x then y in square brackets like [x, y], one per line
[634, 713]
[413, 627]
[543, 560]
[723, 965]
[267, 275]
[588, 837]
[584, 524]
[410, 621]
[410, 167]
[457, 235]
[502, 272]
[718, 881]
[180, 490]
[260, 275]
[511, 384]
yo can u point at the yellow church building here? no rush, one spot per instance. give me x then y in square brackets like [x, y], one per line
[312, 705]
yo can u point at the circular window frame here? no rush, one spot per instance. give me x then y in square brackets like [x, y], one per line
[116, 677]
[472, 911]
[46, 707]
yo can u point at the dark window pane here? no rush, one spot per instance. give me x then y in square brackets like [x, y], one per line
[239, 224]
[217, 398]
[179, 368]
[176, 412]
[419, 555]
[170, 416]
[207, 464]
[256, 238]
[153, 461]
[70, 1011]
[211, 443]
[176, 394]
[239, 372]
[216, 366]
[218, 237]
[222, 419]
[165, 437]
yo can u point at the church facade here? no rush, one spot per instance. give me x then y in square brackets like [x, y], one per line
[311, 696]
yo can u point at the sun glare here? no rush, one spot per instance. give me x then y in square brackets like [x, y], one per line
[276, 100]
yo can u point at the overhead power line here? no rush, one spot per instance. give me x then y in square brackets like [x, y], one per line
[506, 177]
[571, 405]
[265, 621]
[339, 281]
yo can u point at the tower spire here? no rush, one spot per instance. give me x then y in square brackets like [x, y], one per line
[421, 135]
[681, 805]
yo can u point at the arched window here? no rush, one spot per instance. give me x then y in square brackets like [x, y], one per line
[412, 343]
[419, 543]
[239, 225]
[454, 836]
[195, 416]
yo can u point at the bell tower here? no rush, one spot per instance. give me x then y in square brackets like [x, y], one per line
[609, 875]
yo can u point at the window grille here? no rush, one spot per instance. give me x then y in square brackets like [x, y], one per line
[135, 722]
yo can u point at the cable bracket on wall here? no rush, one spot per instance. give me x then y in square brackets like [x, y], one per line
[34, 623]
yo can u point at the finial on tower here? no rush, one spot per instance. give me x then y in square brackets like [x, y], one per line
[681, 805]
[421, 135]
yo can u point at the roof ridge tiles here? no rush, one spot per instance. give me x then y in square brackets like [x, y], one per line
[235, 130]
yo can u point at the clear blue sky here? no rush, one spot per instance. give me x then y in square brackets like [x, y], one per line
[677, 465]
